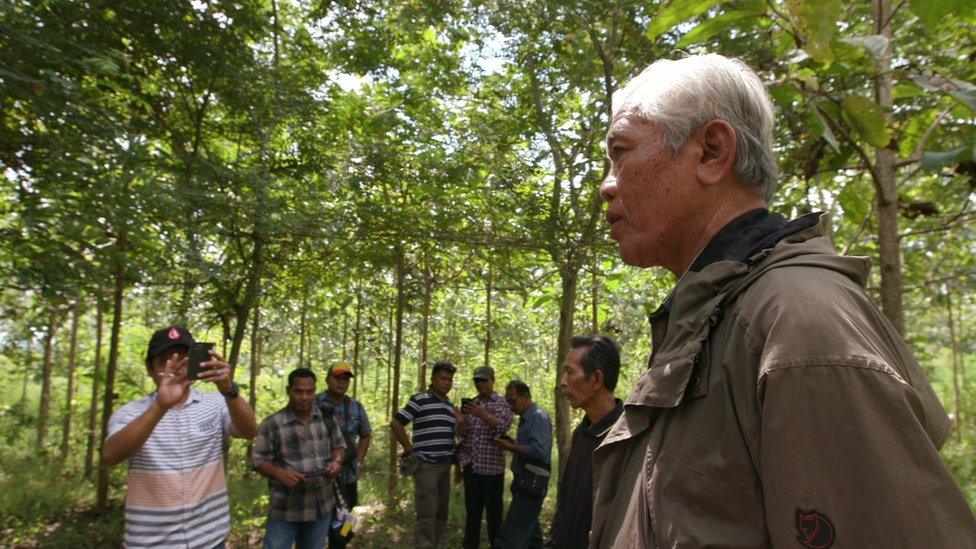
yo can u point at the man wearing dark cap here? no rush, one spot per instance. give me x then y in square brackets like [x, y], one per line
[354, 424]
[173, 439]
[483, 464]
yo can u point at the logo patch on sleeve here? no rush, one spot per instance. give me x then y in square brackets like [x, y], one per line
[814, 529]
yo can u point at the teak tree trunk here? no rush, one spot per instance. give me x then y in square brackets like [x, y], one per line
[96, 379]
[113, 361]
[45, 408]
[69, 397]
[889, 243]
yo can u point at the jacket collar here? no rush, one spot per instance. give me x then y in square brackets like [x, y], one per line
[697, 305]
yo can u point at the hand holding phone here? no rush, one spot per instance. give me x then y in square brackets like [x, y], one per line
[199, 353]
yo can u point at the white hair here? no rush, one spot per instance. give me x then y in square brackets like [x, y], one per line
[682, 96]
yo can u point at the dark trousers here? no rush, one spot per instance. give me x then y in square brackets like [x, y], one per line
[521, 529]
[351, 492]
[482, 492]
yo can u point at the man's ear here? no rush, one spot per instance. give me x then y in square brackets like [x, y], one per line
[718, 145]
[598, 377]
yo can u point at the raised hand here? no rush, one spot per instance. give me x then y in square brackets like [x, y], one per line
[173, 385]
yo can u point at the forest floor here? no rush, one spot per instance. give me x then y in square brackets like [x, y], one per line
[47, 503]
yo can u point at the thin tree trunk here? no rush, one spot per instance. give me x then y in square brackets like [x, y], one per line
[96, 378]
[488, 288]
[69, 398]
[113, 360]
[569, 276]
[595, 299]
[889, 243]
[425, 328]
[252, 295]
[301, 330]
[252, 385]
[355, 346]
[28, 368]
[397, 356]
[345, 333]
[45, 409]
[954, 346]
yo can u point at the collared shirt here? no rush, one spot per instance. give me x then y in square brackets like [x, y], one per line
[535, 438]
[476, 447]
[307, 448]
[574, 505]
[433, 426]
[177, 495]
[352, 418]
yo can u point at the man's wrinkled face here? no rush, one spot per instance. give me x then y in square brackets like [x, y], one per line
[649, 192]
[338, 385]
[578, 387]
[301, 395]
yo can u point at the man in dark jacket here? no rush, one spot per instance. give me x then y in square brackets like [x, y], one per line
[588, 380]
[780, 407]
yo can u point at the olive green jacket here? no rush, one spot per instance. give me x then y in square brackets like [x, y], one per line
[780, 408]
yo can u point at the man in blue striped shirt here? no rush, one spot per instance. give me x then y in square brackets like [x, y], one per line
[434, 420]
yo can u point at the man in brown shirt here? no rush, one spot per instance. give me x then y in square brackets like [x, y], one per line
[780, 407]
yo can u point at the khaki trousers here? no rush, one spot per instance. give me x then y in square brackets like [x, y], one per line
[432, 490]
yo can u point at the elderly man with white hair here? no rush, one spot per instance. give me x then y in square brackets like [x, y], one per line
[780, 407]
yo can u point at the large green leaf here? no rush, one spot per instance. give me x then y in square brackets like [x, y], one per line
[816, 20]
[867, 118]
[936, 160]
[932, 12]
[718, 24]
[875, 44]
[676, 12]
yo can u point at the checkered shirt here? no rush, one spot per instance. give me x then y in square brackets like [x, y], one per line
[306, 448]
[476, 447]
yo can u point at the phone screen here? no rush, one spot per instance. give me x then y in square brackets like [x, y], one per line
[199, 352]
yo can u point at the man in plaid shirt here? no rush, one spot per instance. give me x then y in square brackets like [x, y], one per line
[300, 451]
[483, 463]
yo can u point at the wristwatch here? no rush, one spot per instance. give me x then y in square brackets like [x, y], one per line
[235, 391]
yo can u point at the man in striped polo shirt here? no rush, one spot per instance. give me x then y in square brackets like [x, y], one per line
[434, 419]
[173, 439]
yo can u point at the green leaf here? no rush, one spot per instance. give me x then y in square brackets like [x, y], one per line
[816, 20]
[825, 130]
[854, 200]
[932, 12]
[676, 12]
[934, 161]
[966, 97]
[867, 118]
[716, 25]
[875, 44]
[785, 96]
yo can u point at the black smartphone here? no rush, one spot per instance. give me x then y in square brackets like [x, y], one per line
[199, 352]
[466, 401]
